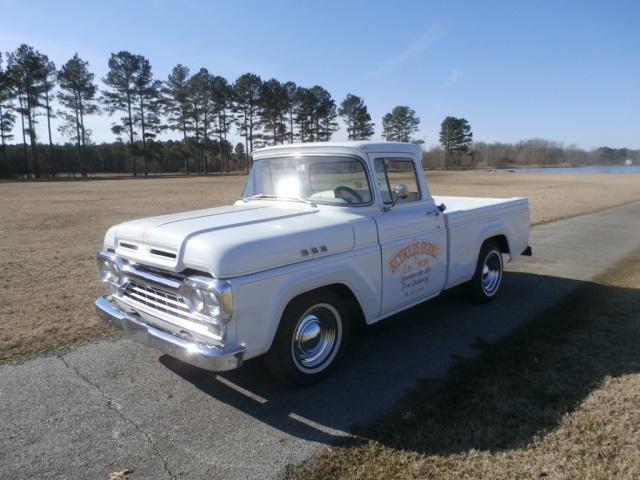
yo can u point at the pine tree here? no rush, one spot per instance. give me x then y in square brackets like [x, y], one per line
[356, 117]
[201, 112]
[78, 96]
[222, 97]
[292, 106]
[316, 114]
[247, 90]
[13, 79]
[48, 75]
[456, 138]
[240, 154]
[305, 114]
[195, 98]
[7, 118]
[273, 108]
[25, 67]
[120, 96]
[177, 104]
[147, 105]
[325, 114]
[400, 124]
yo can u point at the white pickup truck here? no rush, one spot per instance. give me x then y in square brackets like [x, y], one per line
[326, 235]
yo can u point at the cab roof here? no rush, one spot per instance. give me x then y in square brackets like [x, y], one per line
[360, 147]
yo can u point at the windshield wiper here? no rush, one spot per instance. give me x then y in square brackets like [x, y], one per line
[300, 199]
[257, 196]
[264, 195]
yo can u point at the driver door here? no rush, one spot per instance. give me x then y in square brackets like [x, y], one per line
[412, 238]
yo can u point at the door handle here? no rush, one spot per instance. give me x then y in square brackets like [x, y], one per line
[435, 212]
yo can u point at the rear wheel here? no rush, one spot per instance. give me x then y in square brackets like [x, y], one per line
[486, 281]
[310, 338]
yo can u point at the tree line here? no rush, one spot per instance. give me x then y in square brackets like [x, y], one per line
[457, 150]
[534, 152]
[204, 108]
[201, 106]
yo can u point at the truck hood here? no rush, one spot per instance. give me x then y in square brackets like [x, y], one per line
[234, 240]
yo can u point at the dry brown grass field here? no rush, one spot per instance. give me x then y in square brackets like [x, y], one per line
[50, 232]
[557, 398]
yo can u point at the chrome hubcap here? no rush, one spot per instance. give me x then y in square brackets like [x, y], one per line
[491, 273]
[315, 337]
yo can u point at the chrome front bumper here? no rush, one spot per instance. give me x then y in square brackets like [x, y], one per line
[207, 357]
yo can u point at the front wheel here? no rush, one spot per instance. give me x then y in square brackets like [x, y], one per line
[310, 338]
[486, 281]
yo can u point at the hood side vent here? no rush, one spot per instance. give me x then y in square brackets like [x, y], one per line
[162, 253]
[305, 252]
[130, 246]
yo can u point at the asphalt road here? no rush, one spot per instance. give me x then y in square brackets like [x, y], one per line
[112, 405]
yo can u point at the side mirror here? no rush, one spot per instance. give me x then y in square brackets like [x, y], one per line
[400, 192]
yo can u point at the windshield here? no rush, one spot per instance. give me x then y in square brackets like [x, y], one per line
[330, 180]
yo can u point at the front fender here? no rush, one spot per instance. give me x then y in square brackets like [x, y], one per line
[263, 298]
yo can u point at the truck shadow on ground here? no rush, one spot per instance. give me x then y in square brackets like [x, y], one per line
[385, 361]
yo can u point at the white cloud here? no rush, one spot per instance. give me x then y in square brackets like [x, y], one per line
[427, 39]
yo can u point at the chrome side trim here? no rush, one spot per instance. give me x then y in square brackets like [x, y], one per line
[208, 357]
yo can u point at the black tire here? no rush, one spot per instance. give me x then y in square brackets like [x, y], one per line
[487, 279]
[294, 357]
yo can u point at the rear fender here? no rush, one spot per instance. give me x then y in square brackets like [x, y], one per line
[494, 229]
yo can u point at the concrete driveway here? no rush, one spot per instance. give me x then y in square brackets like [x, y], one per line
[112, 405]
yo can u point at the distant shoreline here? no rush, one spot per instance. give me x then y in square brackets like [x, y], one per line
[64, 177]
[573, 169]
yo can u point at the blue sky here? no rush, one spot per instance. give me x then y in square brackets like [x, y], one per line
[560, 70]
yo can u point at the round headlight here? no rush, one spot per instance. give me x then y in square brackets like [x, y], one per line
[210, 299]
[108, 272]
[197, 299]
[103, 270]
[212, 305]
[112, 269]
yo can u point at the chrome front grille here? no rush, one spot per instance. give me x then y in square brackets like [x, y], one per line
[155, 300]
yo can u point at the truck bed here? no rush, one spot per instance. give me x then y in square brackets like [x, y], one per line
[456, 204]
[464, 210]
[470, 219]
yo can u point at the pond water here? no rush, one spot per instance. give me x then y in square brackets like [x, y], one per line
[585, 169]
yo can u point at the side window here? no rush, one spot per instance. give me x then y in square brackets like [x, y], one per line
[391, 171]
